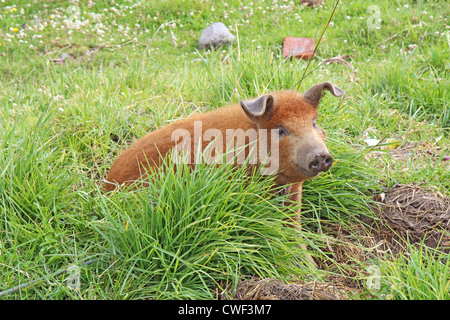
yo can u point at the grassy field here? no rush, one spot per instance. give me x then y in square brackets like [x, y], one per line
[81, 80]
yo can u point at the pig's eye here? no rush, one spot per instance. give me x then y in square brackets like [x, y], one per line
[282, 131]
[314, 123]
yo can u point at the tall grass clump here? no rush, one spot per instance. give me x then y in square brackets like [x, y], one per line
[36, 234]
[421, 274]
[192, 231]
[34, 178]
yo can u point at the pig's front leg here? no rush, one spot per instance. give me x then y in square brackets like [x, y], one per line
[295, 197]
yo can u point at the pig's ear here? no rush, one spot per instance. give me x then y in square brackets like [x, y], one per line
[314, 94]
[259, 108]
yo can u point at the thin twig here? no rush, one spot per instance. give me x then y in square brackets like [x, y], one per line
[237, 84]
[338, 59]
[318, 43]
[387, 39]
[60, 49]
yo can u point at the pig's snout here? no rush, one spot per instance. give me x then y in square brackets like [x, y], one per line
[321, 162]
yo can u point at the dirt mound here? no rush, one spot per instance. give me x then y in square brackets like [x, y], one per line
[271, 289]
[411, 213]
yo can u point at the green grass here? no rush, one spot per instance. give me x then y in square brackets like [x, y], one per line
[194, 230]
[423, 275]
[62, 125]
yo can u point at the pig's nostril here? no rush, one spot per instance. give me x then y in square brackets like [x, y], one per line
[315, 165]
[328, 162]
[321, 162]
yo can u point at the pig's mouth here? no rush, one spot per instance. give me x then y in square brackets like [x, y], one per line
[308, 173]
[300, 175]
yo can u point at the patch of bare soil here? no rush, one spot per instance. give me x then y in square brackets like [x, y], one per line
[271, 289]
[411, 214]
[79, 53]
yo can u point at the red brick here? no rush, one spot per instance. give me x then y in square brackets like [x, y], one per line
[312, 3]
[301, 48]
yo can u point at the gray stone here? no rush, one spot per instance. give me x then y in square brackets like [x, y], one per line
[214, 36]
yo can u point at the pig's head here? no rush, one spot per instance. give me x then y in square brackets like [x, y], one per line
[302, 150]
